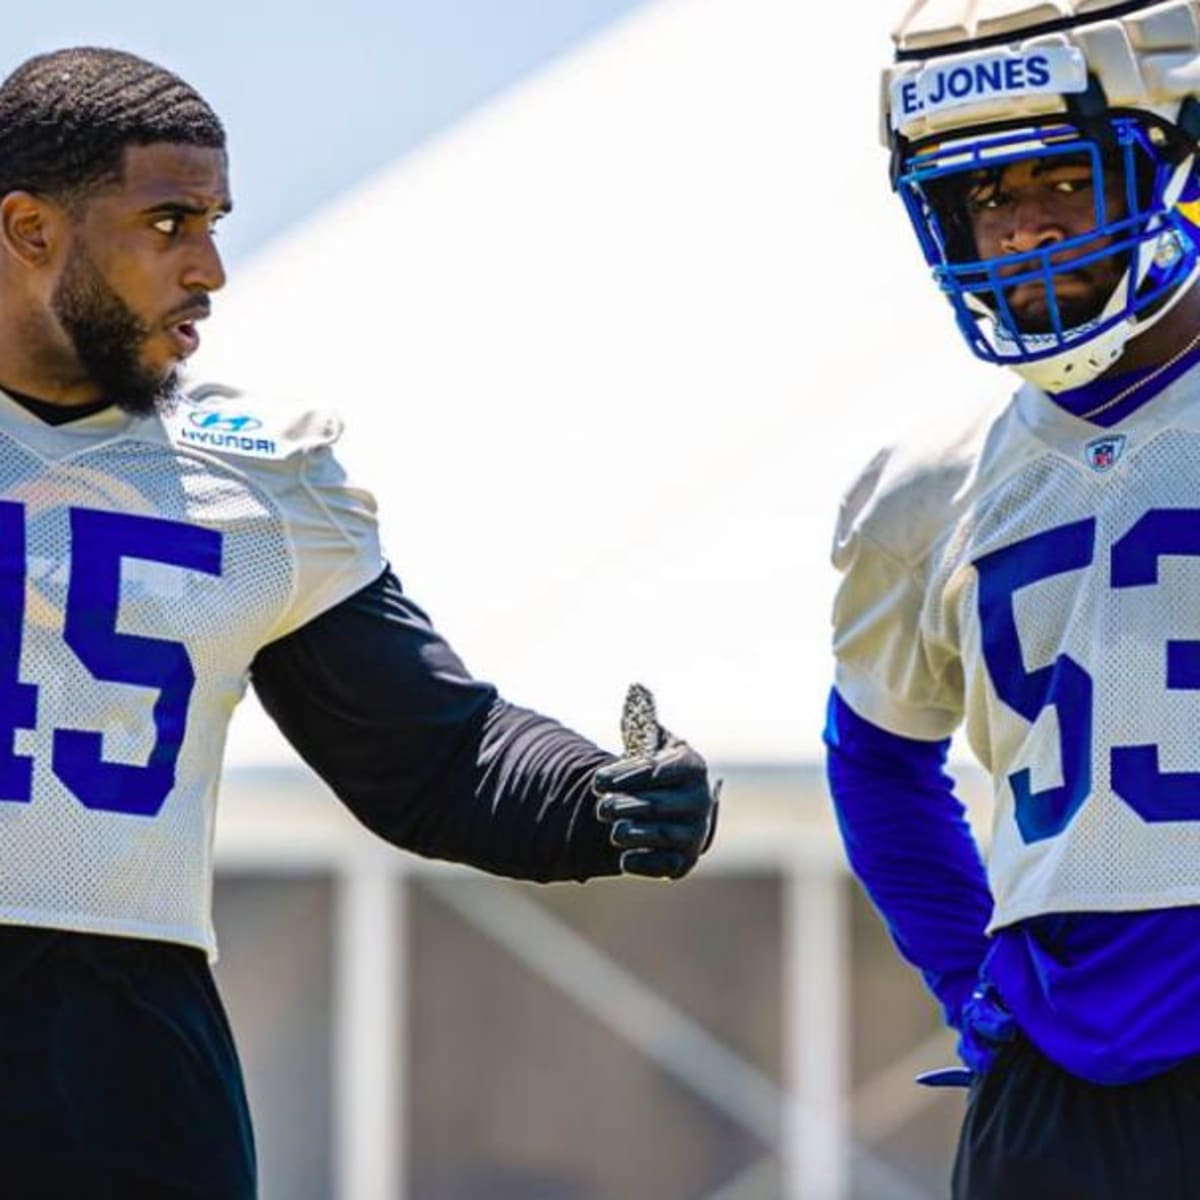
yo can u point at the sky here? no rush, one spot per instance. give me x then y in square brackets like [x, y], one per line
[607, 356]
[563, 220]
[317, 97]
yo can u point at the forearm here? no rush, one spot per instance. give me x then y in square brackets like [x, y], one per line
[426, 756]
[909, 843]
[533, 813]
[513, 798]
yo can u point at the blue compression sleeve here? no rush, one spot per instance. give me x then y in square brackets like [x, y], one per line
[909, 843]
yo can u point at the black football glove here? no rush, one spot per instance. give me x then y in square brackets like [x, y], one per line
[662, 811]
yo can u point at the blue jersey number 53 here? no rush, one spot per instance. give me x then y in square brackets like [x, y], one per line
[1066, 685]
[99, 542]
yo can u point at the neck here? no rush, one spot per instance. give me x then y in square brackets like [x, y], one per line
[1163, 340]
[36, 359]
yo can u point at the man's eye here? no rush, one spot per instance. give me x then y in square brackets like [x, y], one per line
[985, 201]
[168, 225]
[1069, 187]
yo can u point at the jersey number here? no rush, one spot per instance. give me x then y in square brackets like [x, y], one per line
[1066, 686]
[99, 541]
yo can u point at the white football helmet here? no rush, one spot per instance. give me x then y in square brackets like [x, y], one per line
[980, 84]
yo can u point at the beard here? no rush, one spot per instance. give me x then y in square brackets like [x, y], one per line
[107, 336]
[1085, 302]
[1072, 313]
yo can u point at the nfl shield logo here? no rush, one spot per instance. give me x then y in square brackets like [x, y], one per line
[1104, 452]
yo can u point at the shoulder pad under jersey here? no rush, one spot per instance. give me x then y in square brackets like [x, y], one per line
[909, 492]
[223, 420]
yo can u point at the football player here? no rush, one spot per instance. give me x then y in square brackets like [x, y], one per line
[1032, 574]
[158, 552]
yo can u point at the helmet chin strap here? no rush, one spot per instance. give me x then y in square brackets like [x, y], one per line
[1082, 364]
[1073, 368]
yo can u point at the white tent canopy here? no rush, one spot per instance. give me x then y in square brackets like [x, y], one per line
[608, 354]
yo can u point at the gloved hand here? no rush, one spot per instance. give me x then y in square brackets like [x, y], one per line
[987, 1026]
[657, 798]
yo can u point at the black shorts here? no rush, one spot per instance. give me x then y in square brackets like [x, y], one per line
[118, 1074]
[1034, 1132]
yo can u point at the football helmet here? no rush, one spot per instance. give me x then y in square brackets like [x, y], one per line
[1106, 88]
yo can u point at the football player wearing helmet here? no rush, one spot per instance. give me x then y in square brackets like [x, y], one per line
[1031, 575]
[157, 552]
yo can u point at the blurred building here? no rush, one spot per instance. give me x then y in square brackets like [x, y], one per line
[415, 1030]
[609, 352]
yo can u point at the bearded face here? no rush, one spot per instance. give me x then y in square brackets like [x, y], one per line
[109, 338]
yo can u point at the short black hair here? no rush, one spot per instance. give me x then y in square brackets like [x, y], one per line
[67, 116]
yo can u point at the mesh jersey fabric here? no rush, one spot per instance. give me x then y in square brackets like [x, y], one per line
[1062, 672]
[143, 562]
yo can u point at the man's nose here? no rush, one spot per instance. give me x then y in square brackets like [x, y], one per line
[1031, 228]
[204, 270]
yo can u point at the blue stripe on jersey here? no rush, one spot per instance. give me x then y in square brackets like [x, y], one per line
[1111, 997]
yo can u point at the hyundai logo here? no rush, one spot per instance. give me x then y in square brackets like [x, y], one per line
[220, 422]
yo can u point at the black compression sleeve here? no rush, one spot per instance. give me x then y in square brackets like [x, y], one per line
[380, 706]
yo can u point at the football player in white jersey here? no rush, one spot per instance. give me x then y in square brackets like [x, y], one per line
[1033, 575]
[157, 552]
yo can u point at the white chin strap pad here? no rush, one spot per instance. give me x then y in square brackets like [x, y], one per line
[1079, 365]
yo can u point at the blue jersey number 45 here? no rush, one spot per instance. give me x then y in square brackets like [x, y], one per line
[1066, 685]
[99, 542]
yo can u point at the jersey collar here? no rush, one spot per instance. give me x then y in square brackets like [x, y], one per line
[1048, 420]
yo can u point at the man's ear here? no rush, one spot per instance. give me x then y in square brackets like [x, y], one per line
[29, 228]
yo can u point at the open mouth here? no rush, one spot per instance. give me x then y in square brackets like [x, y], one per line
[184, 336]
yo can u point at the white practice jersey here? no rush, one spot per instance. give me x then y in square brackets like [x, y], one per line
[1038, 578]
[143, 562]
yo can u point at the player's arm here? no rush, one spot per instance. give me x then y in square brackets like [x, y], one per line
[433, 760]
[908, 841]
[897, 700]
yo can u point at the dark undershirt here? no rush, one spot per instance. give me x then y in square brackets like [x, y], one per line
[426, 756]
[57, 414]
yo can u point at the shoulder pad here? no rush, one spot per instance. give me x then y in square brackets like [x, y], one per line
[223, 420]
[908, 494]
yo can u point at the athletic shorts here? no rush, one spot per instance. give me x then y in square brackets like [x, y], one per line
[1034, 1132]
[118, 1074]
